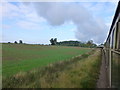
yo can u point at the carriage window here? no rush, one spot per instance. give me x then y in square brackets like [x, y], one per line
[118, 36]
[112, 39]
[108, 44]
[117, 44]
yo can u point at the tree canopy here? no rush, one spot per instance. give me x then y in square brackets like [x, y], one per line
[53, 41]
[73, 43]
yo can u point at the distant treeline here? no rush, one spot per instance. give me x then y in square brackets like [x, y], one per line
[20, 42]
[89, 43]
[73, 43]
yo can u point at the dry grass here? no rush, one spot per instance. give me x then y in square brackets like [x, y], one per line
[82, 74]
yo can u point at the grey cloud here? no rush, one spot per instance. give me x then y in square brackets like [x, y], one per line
[88, 27]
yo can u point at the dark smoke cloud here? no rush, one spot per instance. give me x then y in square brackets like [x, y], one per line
[88, 27]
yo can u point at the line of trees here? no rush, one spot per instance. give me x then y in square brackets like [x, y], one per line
[73, 43]
[53, 41]
[20, 42]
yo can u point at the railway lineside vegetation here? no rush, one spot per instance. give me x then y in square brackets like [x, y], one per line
[78, 72]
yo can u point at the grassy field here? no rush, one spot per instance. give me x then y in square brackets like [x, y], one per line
[22, 57]
[78, 72]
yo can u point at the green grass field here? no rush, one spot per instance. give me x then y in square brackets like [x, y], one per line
[78, 72]
[24, 57]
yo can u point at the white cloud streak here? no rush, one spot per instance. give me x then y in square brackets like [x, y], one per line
[28, 25]
[21, 15]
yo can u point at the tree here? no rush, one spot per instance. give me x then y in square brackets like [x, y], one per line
[90, 42]
[15, 42]
[20, 41]
[53, 41]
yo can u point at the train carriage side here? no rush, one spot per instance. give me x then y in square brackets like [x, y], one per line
[112, 51]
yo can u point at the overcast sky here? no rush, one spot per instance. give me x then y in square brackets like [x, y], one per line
[40, 21]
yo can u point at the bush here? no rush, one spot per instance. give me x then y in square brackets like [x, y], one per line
[20, 41]
[15, 42]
